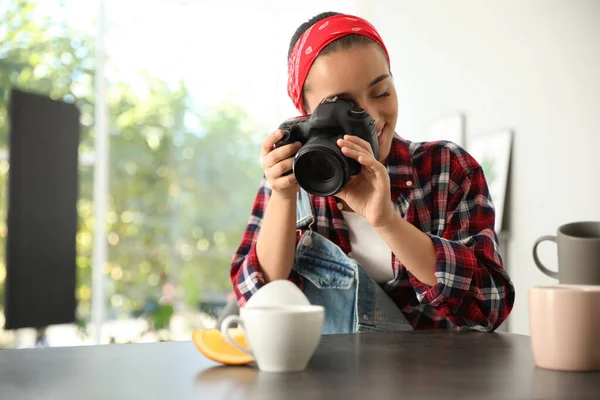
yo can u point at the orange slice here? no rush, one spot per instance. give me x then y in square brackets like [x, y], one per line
[214, 346]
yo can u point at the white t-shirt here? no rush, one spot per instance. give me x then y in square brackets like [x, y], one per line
[368, 248]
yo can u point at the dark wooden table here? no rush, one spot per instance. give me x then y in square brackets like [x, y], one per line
[373, 366]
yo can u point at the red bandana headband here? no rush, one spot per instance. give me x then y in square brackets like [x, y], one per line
[310, 44]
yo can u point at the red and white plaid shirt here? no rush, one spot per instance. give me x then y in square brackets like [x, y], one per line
[440, 189]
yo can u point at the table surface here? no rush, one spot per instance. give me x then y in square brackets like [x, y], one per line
[419, 364]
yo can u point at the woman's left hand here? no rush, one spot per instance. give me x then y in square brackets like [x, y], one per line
[367, 193]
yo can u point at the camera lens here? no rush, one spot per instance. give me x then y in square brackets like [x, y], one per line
[320, 167]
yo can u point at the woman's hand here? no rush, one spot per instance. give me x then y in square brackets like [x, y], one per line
[276, 162]
[367, 193]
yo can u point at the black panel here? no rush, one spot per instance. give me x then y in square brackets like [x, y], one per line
[42, 212]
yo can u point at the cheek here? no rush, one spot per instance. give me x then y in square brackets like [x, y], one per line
[386, 109]
[391, 115]
[391, 108]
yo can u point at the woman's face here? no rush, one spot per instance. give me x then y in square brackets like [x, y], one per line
[360, 74]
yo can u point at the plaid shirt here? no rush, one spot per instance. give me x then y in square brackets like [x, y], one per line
[440, 189]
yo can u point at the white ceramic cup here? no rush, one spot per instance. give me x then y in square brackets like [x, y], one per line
[281, 338]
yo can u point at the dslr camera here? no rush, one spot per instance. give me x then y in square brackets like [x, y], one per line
[320, 166]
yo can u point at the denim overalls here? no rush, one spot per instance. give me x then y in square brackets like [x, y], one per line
[353, 301]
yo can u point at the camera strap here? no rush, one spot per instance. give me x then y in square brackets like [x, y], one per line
[305, 215]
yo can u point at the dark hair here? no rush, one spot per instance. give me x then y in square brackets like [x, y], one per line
[345, 42]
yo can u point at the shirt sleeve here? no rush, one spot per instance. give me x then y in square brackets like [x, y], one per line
[246, 272]
[473, 290]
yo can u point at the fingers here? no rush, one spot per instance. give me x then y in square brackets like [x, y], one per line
[368, 161]
[354, 154]
[359, 153]
[359, 142]
[269, 142]
[279, 168]
[354, 150]
[280, 177]
[277, 163]
[352, 146]
[279, 154]
[284, 183]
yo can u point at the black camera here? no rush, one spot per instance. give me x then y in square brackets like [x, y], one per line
[320, 166]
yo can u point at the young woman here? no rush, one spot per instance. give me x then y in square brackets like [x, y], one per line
[409, 243]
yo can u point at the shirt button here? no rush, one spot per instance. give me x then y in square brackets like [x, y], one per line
[307, 241]
[366, 317]
[408, 183]
[340, 206]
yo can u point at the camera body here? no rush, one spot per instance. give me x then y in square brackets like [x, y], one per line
[320, 166]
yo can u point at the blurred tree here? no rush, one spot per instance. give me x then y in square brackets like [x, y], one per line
[179, 197]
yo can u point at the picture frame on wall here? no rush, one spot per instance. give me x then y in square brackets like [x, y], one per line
[493, 151]
[450, 127]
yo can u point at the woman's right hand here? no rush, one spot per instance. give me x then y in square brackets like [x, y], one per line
[276, 162]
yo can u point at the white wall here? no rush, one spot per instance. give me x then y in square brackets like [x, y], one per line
[533, 66]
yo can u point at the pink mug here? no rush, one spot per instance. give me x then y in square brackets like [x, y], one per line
[565, 327]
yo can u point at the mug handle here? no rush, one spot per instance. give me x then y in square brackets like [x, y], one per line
[551, 238]
[226, 324]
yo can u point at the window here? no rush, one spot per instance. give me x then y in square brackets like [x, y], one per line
[192, 87]
[45, 49]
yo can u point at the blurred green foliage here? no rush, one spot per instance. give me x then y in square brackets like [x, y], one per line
[181, 179]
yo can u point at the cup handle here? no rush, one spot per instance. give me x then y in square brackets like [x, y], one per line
[551, 238]
[226, 324]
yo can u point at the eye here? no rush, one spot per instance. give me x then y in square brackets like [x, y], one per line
[384, 94]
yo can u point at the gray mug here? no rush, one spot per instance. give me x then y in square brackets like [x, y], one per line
[578, 253]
